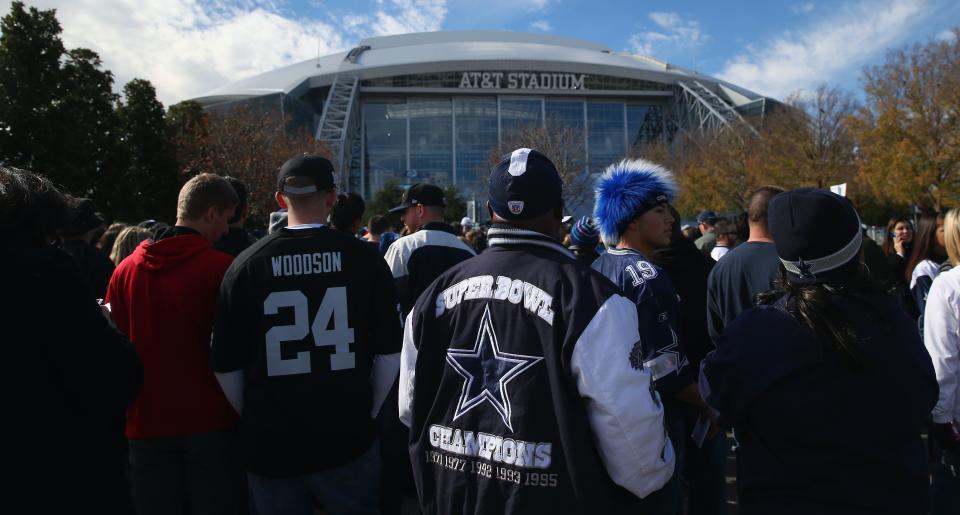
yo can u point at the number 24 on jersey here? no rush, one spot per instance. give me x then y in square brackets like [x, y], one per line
[332, 307]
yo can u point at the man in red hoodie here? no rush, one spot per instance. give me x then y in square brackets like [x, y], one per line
[164, 298]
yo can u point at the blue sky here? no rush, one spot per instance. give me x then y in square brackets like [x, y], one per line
[186, 47]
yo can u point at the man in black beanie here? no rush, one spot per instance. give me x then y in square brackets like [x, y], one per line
[237, 239]
[516, 379]
[82, 223]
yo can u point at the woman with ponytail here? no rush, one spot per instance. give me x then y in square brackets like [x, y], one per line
[826, 381]
[924, 263]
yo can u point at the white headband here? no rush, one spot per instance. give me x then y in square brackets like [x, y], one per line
[812, 267]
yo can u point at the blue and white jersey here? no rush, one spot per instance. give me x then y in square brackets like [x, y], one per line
[658, 311]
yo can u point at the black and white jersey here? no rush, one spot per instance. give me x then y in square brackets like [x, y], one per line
[517, 384]
[304, 313]
[417, 259]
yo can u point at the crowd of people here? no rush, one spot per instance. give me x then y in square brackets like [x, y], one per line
[534, 363]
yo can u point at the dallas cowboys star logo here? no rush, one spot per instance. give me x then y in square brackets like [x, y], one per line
[486, 371]
[674, 351]
[804, 268]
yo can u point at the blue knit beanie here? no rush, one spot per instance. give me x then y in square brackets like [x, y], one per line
[585, 233]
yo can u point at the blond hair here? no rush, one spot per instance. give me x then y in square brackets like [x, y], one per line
[951, 235]
[203, 192]
[127, 241]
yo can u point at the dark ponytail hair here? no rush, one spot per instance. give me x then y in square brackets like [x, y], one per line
[347, 211]
[924, 243]
[821, 307]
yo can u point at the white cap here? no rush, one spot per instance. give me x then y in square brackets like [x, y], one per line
[466, 221]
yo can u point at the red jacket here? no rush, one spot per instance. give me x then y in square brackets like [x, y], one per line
[163, 297]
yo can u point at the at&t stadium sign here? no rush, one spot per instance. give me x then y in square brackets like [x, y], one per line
[521, 80]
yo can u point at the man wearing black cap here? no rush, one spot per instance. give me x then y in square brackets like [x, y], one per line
[430, 248]
[516, 375]
[237, 239]
[708, 239]
[306, 347]
[82, 222]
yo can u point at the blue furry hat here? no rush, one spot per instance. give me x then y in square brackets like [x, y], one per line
[625, 191]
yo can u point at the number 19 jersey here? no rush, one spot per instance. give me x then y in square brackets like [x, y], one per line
[661, 350]
[303, 312]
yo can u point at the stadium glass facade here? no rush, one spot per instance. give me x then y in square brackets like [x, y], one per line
[451, 140]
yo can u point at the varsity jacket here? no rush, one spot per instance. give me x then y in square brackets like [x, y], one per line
[417, 259]
[520, 392]
[920, 281]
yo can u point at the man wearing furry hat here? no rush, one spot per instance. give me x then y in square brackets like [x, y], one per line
[632, 210]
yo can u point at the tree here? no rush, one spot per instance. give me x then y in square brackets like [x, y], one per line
[149, 183]
[908, 132]
[88, 159]
[188, 129]
[246, 143]
[56, 107]
[387, 197]
[808, 143]
[30, 76]
[564, 145]
[805, 143]
[714, 171]
[456, 207]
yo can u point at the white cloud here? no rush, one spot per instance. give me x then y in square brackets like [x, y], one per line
[837, 45]
[187, 47]
[535, 5]
[947, 35]
[803, 8]
[672, 30]
[401, 16]
[541, 25]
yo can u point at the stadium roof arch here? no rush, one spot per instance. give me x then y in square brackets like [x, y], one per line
[697, 102]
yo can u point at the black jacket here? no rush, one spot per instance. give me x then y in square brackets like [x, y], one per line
[95, 267]
[235, 241]
[688, 268]
[68, 378]
[816, 434]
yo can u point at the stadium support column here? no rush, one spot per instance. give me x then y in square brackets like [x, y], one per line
[339, 113]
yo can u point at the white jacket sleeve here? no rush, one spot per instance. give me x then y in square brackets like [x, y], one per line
[232, 385]
[385, 368]
[396, 259]
[941, 336]
[625, 413]
[408, 369]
